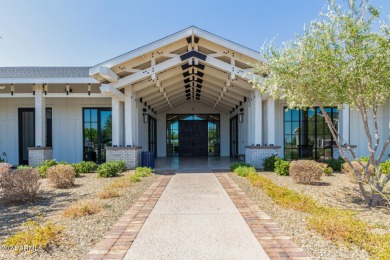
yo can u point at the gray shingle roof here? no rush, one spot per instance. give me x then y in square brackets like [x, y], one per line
[43, 72]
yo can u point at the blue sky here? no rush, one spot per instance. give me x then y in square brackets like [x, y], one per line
[87, 32]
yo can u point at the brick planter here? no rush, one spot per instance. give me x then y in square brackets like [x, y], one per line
[255, 155]
[347, 153]
[131, 155]
[36, 155]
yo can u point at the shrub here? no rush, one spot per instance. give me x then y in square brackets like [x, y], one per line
[82, 208]
[45, 165]
[19, 185]
[143, 171]
[120, 165]
[282, 167]
[23, 167]
[328, 171]
[364, 159]
[244, 171]
[61, 176]
[107, 170]
[84, 167]
[5, 167]
[134, 178]
[351, 174]
[108, 193]
[269, 163]
[122, 182]
[385, 167]
[238, 164]
[306, 171]
[336, 164]
[35, 235]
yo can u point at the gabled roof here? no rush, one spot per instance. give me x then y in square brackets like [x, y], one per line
[43, 72]
[172, 38]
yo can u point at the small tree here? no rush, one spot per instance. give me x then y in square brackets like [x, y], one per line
[339, 59]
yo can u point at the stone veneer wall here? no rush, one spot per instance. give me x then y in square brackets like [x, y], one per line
[255, 155]
[347, 153]
[131, 155]
[36, 155]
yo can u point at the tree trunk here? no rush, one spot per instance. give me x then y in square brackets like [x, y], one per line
[377, 200]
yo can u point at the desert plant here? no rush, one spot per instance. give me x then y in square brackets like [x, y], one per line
[385, 167]
[328, 171]
[45, 165]
[235, 165]
[359, 166]
[84, 167]
[107, 169]
[19, 185]
[336, 164]
[269, 163]
[5, 167]
[35, 234]
[82, 208]
[23, 167]
[306, 171]
[143, 171]
[108, 193]
[120, 165]
[282, 167]
[61, 176]
[244, 171]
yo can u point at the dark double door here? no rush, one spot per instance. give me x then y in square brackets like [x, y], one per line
[193, 138]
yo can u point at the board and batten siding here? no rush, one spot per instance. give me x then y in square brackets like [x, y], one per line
[67, 125]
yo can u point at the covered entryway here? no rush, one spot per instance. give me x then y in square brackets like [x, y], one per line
[190, 73]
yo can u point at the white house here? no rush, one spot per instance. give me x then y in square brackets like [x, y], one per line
[184, 95]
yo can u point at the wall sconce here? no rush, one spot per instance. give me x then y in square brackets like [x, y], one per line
[89, 89]
[241, 115]
[12, 89]
[33, 88]
[146, 116]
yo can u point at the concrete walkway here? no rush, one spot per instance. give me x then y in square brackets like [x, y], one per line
[195, 219]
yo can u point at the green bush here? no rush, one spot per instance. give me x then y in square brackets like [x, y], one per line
[238, 164]
[84, 167]
[364, 159]
[282, 167]
[24, 167]
[328, 171]
[111, 169]
[386, 167]
[269, 163]
[45, 165]
[244, 171]
[143, 171]
[335, 164]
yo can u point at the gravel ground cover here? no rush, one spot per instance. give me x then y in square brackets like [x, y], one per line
[80, 234]
[294, 222]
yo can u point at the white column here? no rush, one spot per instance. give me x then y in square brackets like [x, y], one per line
[250, 121]
[135, 119]
[116, 122]
[345, 123]
[129, 119]
[271, 121]
[40, 116]
[258, 117]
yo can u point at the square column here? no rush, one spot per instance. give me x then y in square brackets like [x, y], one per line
[129, 116]
[40, 117]
[117, 122]
[258, 117]
[271, 129]
[345, 116]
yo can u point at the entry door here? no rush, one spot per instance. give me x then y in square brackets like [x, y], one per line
[27, 131]
[152, 135]
[193, 138]
[234, 137]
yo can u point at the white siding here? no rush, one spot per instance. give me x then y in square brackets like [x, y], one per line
[67, 125]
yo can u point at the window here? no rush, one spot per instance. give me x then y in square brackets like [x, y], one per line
[306, 134]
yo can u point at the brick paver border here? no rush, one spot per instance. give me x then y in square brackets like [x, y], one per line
[117, 241]
[276, 243]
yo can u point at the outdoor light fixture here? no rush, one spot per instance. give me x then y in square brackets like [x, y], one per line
[146, 116]
[89, 89]
[241, 115]
[67, 89]
[45, 88]
[33, 89]
[12, 89]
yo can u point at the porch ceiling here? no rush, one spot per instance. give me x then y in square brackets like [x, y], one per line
[192, 65]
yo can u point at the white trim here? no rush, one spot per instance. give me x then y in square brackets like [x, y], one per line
[54, 95]
[108, 74]
[72, 80]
